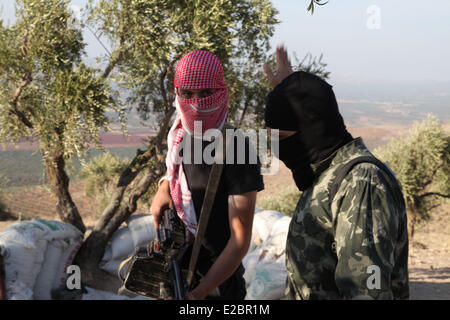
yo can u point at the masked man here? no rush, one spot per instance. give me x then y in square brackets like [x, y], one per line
[202, 97]
[348, 237]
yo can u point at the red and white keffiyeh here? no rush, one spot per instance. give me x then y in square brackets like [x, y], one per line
[196, 70]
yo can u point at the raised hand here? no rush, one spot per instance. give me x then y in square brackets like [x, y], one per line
[284, 67]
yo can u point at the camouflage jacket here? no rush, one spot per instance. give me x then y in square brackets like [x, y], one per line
[355, 248]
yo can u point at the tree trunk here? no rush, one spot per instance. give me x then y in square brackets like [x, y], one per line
[412, 220]
[92, 250]
[118, 211]
[59, 181]
[243, 113]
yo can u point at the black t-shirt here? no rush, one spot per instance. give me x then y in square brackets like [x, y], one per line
[237, 178]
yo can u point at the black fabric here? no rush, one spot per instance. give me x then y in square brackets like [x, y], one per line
[305, 103]
[236, 179]
[293, 154]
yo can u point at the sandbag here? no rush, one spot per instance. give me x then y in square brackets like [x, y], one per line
[71, 247]
[281, 225]
[250, 262]
[17, 290]
[64, 242]
[269, 280]
[278, 236]
[112, 267]
[23, 251]
[107, 256]
[263, 222]
[49, 270]
[23, 233]
[94, 294]
[36, 254]
[121, 244]
[142, 229]
[57, 230]
[255, 240]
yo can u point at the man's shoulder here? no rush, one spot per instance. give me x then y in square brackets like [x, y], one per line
[351, 150]
[378, 175]
[336, 162]
[369, 182]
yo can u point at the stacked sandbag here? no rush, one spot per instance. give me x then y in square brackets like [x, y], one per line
[138, 231]
[36, 255]
[64, 242]
[119, 248]
[22, 247]
[95, 294]
[265, 266]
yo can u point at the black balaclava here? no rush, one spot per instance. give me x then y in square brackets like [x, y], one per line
[305, 103]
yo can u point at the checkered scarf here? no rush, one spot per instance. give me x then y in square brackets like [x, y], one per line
[196, 70]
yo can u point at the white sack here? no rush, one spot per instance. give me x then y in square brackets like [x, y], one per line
[17, 290]
[278, 236]
[94, 294]
[112, 267]
[263, 222]
[250, 262]
[269, 280]
[121, 244]
[57, 230]
[142, 229]
[23, 255]
[71, 247]
[49, 270]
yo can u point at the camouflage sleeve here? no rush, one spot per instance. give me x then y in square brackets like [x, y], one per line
[366, 222]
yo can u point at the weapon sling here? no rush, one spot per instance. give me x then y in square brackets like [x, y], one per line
[210, 195]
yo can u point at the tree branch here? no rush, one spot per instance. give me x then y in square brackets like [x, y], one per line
[434, 194]
[162, 77]
[98, 39]
[244, 111]
[25, 80]
[432, 175]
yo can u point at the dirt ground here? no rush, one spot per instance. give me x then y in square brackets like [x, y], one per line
[429, 258]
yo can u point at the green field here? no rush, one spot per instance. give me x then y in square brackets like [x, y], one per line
[25, 167]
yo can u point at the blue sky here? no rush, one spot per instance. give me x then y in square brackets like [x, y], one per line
[411, 47]
[412, 44]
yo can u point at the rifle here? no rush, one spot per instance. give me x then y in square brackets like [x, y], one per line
[2, 279]
[154, 271]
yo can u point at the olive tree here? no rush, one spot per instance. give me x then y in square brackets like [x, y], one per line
[421, 162]
[48, 93]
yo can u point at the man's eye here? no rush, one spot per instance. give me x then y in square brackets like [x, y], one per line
[207, 93]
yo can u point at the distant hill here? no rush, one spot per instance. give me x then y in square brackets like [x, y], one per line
[379, 103]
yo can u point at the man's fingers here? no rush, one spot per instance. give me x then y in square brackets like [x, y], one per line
[278, 55]
[283, 62]
[268, 70]
[156, 213]
[156, 221]
[270, 74]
